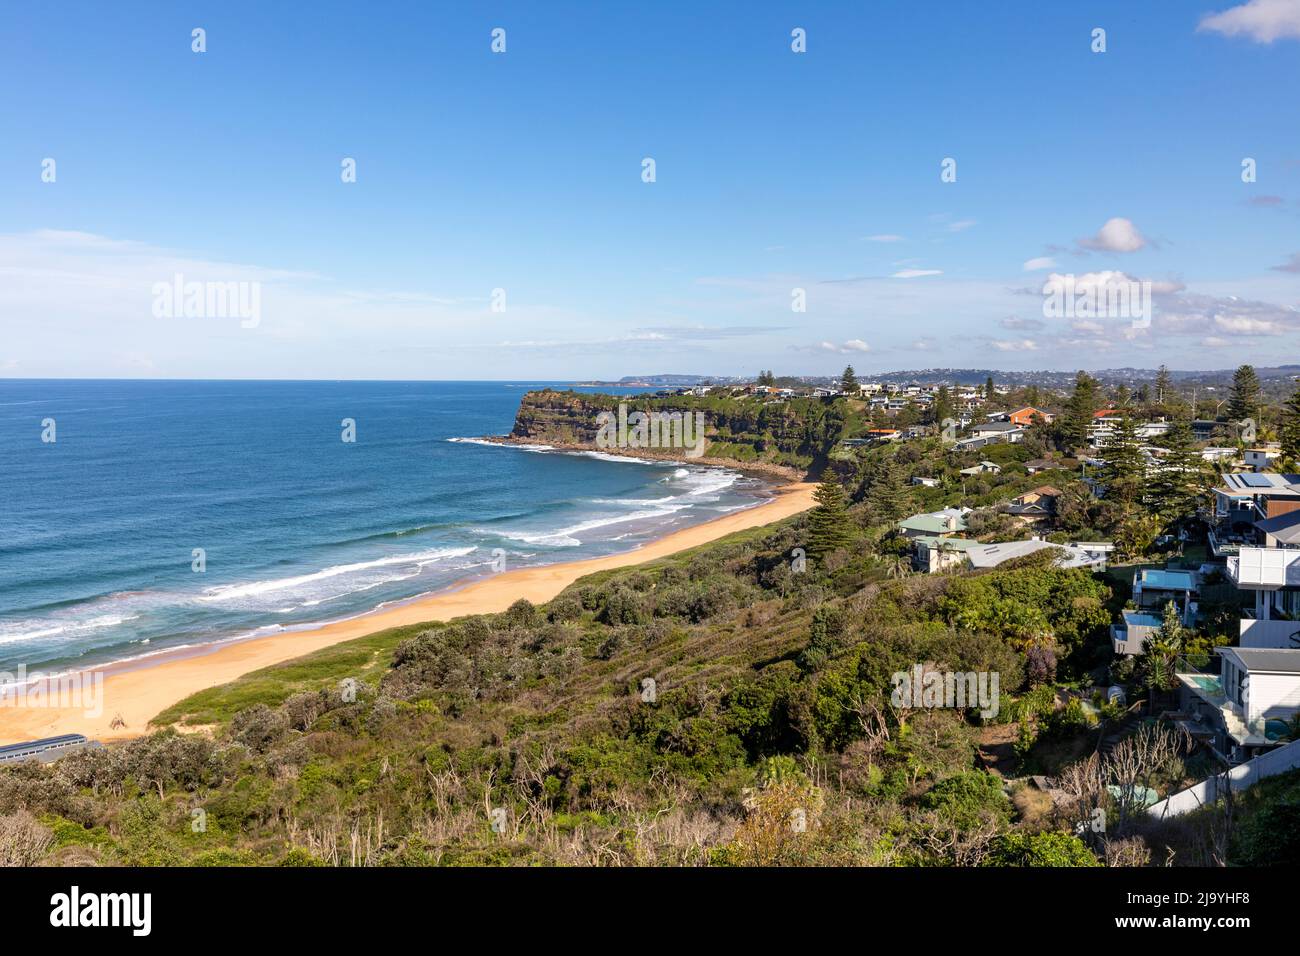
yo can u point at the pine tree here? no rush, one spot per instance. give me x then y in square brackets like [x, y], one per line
[1125, 469]
[828, 522]
[1164, 386]
[1245, 394]
[848, 381]
[988, 389]
[942, 405]
[1291, 428]
[886, 496]
[1182, 482]
[1079, 411]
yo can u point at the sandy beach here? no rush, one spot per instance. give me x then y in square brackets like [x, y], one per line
[139, 690]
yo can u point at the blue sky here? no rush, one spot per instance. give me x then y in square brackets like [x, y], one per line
[521, 171]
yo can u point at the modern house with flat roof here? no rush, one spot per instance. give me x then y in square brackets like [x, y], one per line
[1250, 705]
[1153, 589]
[1272, 575]
[1248, 496]
[1128, 637]
[1282, 531]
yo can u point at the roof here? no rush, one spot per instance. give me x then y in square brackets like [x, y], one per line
[1167, 580]
[1243, 483]
[991, 555]
[1042, 491]
[1284, 527]
[1273, 660]
[1140, 619]
[952, 544]
[934, 524]
[996, 427]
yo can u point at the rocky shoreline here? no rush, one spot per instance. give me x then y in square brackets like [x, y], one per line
[754, 468]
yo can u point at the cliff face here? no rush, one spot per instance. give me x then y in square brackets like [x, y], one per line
[789, 436]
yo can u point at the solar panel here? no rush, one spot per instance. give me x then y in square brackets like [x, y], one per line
[1256, 481]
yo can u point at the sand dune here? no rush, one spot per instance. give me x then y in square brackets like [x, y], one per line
[139, 690]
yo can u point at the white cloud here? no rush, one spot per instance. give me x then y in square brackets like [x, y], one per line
[1116, 235]
[852, 345]
[885, 237]
[1015, 345]
[1041, 262]
[1262, 20]
[916, 273]
[1017, 323]
[961, 225]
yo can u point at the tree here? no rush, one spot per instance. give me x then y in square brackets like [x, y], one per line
[766, 377]
[886, 496]
[1245, 394]
[1125, 471]
[1079, 411]
[942, 405]
[848, 381]
[828, 522]
[988, 389]
[1291, 428]
[1182, 481]
[1164, 385]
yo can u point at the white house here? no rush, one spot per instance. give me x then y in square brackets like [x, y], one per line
[1248, 707]
[1273, 576]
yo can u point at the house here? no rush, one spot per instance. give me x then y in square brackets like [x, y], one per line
[1129, 636]
[941, 524]
[1072, 555]
[983, 468]
[925, 482]
[1034, 506]
[1025, 416]
[1147, 430]
[1262, 457]
[1282, 531]
[1153, 589]
[932, 554]
[883, 434]
[1248, 706]
[1244, 497]
[1205, 429]
[1272, 576]
[998, 431]
[1035, 465]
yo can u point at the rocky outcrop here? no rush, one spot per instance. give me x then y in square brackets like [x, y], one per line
[781, 438]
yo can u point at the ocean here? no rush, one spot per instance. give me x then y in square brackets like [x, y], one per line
[175, 513]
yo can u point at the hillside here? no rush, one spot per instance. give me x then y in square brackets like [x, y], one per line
[795, 435]
[690, 711]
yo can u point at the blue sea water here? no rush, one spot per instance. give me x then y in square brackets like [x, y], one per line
[98, 529]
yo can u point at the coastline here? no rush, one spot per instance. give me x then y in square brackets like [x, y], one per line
[139, 689]
[757, 469]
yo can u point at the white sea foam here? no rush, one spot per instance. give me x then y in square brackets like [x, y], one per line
[566, 537]
[253, 589]
[17, 632]
[497, 444]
